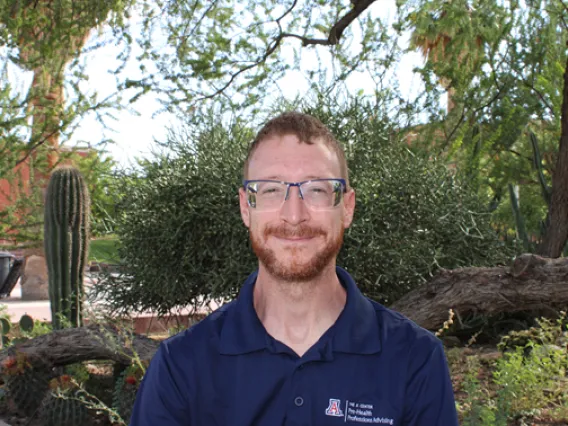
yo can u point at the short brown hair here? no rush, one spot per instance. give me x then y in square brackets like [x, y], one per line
[306, 128]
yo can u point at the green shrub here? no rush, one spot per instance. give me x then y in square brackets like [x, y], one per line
[529, 378]
[479, 412]
[181, 235]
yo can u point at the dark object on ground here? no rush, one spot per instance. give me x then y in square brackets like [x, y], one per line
[13, 276]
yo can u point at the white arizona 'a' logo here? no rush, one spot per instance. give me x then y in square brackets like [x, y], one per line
[334, 408]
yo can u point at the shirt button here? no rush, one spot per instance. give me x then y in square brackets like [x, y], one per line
[299, 401]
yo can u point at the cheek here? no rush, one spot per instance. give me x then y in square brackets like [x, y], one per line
[337, 220]
[259, 221]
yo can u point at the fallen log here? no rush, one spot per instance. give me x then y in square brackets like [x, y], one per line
[531, 283]
[93, 342]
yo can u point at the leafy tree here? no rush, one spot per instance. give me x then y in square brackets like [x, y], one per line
[503, 64]
[44, 37]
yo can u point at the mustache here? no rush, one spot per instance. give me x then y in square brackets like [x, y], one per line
[300, 231]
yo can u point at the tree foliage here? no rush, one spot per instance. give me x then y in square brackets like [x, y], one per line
[44, 37]
[239, 50]
[503, 64]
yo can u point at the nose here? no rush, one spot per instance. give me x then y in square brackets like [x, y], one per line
[294, 210]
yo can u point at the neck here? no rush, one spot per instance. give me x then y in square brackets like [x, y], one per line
[298, 313]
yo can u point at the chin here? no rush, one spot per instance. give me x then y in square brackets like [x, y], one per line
[294, 275]
[296, 270]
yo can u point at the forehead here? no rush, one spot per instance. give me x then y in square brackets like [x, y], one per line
[286, 158]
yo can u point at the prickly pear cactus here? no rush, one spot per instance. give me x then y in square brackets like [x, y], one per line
[26, 323]
[63, 405]
[25, 385]
[6, 326]
[125, 391]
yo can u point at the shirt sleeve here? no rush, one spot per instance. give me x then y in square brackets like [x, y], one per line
[429, 394]
[162, 396]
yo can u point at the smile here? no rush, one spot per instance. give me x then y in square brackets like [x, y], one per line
[295, 239]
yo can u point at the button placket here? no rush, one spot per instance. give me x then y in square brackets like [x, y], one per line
[298, 411]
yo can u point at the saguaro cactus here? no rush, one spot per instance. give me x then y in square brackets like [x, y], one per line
[66, 242]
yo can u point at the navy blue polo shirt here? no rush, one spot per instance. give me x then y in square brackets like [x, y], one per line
[373, 366]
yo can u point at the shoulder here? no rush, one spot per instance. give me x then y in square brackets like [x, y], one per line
[397, 329]
[200, 337]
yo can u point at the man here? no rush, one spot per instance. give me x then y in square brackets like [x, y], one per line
[300, 345]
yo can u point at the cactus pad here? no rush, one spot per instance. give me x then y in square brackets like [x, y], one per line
[6, 325]
[26, 323]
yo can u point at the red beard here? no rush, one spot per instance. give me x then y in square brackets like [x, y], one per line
[298, 267]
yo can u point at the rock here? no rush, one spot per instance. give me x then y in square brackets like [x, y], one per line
[34, 280]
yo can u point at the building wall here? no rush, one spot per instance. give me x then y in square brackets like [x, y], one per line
[17, 185]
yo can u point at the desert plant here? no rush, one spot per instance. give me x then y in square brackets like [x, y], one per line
[25, 385]
[181, 222]
[66, 243]
[63, 405]
[530, 376]
[26, 323]
[5, 327]
[477, 410]
[125, 390]
[546, 332]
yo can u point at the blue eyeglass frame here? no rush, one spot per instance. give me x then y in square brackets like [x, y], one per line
[298, 184]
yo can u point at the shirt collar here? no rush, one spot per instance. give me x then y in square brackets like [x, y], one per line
[355, 331]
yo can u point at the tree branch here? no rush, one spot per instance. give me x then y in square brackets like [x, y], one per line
[540, 95]
[335, 33]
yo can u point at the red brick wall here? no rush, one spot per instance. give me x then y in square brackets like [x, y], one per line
[10, 188]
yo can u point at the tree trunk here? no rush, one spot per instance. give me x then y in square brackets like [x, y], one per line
[532, 283]
[46, 105]
[557, 229]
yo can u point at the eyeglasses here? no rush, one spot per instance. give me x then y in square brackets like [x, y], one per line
[318, 194]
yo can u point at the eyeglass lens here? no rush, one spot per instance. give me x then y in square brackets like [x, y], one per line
[317, 194]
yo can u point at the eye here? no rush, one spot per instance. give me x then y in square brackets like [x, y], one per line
[268, 188]
[320, 188]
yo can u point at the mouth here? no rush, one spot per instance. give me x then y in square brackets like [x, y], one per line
[294, 239]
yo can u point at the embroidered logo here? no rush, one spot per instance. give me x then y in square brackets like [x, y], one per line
[334, 408]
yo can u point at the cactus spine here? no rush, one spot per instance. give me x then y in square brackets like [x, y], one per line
[125, 390]
[66, 241]
[25, 385]
[64, 404]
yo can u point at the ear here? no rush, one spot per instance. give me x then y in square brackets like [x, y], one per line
[245, 209]
[348, 207]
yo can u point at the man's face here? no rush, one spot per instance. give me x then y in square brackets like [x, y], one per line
[295, 243]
